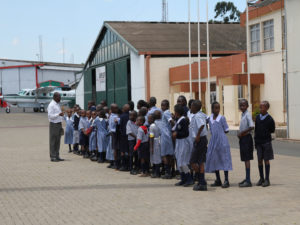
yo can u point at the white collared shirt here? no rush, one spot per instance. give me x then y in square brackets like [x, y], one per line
[53, 112]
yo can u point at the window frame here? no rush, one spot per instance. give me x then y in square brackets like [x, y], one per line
[269, 38]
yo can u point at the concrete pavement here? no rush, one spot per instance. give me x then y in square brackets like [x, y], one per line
[34, 190]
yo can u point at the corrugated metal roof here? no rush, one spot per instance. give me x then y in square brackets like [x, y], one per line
[173, 37]
[263, 3]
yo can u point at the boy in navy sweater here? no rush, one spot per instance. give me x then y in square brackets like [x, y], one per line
[264, 127]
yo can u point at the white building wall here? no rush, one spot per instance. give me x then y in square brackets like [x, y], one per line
[271, 64]
[293, 48]
[159, 75]
[138, 88]
[80, 93]
[15, 79]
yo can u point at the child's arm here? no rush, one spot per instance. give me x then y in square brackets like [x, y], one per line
[224, 124]
[138, 143]
[272, 126]
[151, 136]
[197, 139]
[139, 139]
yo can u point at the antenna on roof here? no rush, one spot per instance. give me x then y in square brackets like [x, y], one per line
[41, 48]
[164, 11]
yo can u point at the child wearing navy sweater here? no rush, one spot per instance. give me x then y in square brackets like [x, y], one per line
[182, 146]
[264, 127]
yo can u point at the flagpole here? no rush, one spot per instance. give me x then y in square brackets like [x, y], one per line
[190, 66]
[207, 59]
[199, 49]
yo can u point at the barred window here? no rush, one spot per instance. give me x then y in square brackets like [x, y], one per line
[268, 35]
[255, 38]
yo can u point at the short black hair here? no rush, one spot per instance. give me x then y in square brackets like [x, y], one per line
[213, 105]
[142, 118]
[266, 103]
[134, 113]
[157, 115]
[191, 102]
[142, 103]
[143, 111]
[152, 101]
[183, 98]
[165, 101]
[244, 100]
[197, 104]
[131, 105]
[179, 109]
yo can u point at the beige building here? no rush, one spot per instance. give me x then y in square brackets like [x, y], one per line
[267, 55]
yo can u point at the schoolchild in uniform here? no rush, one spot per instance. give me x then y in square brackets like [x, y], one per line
[142, 146]
[199, 132]
[246, 141]
[101, 126]
[124, 148]
[182, 151]
[131, 131]
[152, 108]
[264, 127]
[112, 127]
[89, 117]
[154, 134]
[76, 119]
[218, 155]
[131, 106]
[93, 136]
[181, 100]
[83, 138]
[69, 129]
[189, 113]
[143, 111]
[166, 143]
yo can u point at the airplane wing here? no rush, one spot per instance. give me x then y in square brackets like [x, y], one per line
[45, 90]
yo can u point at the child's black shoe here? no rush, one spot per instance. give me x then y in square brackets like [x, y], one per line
[217, 183]
[245, 184]
[260, 182]
[200, 187]
[266, 183]
[182, 181]
[242, 182]
[133, 172]
[226, 184]
[189, 180]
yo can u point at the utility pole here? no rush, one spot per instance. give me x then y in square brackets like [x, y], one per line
[164, 11]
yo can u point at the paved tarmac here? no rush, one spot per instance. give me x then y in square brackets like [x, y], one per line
[34, 190]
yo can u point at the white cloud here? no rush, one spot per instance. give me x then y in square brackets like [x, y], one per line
[15, 41]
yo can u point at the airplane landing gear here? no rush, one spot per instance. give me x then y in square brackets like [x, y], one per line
[7, 110]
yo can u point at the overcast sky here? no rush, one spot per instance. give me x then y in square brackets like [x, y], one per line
[78, 22]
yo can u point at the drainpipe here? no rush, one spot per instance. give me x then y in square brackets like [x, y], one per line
[148, 57]
[286, 75]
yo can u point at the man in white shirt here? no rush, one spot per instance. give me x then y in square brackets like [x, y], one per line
[55, 128]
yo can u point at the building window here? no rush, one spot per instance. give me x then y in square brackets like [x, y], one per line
[268, 35]
[255, 38]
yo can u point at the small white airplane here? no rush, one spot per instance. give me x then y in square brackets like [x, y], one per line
[38, 99]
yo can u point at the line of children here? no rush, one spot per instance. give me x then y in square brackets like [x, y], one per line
[130, 143]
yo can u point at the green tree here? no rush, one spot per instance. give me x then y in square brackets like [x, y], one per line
[227, 11]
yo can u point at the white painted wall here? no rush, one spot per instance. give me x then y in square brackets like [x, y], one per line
[271, 64]
[80, 93]
[159, 75]
[293, 48]
[138, 76]
[13, 80]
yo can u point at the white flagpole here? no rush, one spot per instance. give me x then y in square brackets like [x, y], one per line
[199, 60]
[208, 63]
[190, 66]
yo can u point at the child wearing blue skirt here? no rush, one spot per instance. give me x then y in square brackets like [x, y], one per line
[182, 146]
[218, 153]
[69, 129]
[93, 135]
[102, 135]
[166, 143]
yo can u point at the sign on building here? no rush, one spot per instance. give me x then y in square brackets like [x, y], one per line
[100, 79]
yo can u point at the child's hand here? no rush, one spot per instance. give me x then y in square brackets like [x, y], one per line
[197, 139]
[174, 135]
[135, 148]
